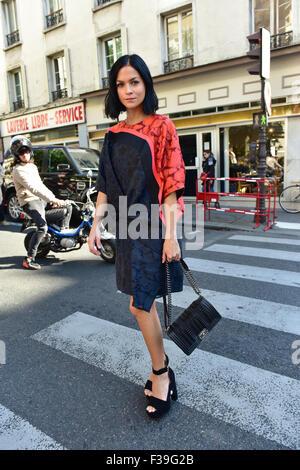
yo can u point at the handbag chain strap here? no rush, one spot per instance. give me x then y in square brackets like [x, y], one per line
[192, 282]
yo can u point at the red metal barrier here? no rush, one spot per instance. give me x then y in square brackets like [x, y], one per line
[266, 190]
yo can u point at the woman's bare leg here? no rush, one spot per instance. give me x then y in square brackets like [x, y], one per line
[150, 326]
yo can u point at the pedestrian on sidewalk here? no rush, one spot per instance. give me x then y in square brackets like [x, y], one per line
[2, 211]
[141, 160]
[272, 165]
[208, 166]
[33, 197]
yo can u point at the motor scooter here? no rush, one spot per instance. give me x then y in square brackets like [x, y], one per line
[74, 238]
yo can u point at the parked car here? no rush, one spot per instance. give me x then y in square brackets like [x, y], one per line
[64, 170]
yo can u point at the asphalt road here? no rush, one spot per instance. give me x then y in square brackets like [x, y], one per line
[75, 361]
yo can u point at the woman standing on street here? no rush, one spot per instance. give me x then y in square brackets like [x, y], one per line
[141, 160]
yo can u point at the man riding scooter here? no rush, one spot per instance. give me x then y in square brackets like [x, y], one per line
[33, 197]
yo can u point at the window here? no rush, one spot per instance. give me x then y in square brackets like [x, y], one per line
[57, 134]
[54, 5]
[276, 16]
[58, 77]
[284, 16]
[56, 157]
[11, 22]
[15, 86]
[54, 12]
[262, 14]
[39, 159]
[60, 72]
[17, 83]
[112, 51]
[180, 41]
[179, 30]
[85, 158]
[241, 145]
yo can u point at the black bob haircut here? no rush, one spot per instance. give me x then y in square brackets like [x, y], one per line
[113, 106]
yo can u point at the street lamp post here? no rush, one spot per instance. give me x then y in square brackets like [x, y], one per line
[260, 51]
[261, 167]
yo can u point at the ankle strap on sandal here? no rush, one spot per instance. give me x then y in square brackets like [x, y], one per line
[166, 360]
[160, 371]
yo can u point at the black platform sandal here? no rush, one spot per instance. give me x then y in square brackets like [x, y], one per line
[161, 406]
[148, 385]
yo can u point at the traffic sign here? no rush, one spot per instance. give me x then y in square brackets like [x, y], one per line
[259, 120]
[263, 120]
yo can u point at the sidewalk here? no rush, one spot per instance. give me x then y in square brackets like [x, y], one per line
[285, 224]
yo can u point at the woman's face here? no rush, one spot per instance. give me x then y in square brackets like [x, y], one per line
[25, 155]
[130, 87]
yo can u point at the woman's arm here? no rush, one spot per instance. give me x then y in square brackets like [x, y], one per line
[94, 242]
[171, 249]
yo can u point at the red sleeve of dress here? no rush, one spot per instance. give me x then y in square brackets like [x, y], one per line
[171, 161]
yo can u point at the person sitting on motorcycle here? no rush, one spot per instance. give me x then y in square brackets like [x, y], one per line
[33, 197]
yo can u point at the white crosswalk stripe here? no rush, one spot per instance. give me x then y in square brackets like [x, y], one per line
[280, 241]
[288, 225]
[257, 252]
[255, 273]
[18, 434]
[263, 313]
[256, 400]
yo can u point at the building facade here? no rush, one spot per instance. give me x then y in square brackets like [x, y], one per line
[55, 57]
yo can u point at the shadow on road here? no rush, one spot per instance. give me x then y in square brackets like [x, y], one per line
[13, 262]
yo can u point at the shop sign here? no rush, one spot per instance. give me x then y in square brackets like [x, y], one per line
[50, 118]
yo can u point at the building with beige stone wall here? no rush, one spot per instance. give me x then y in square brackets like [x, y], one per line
[55, 56]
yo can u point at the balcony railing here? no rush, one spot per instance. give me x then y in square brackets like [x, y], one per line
[61, 93]
[281, 40]
[53, 19]
[12, 38]
[179, 64]
[18, 104]
[105, 82]
[99, 3]
[278, 40]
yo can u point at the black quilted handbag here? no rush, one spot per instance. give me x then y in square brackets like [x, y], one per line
[195, 322]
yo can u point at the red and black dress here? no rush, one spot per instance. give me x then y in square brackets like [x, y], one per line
[139, 166]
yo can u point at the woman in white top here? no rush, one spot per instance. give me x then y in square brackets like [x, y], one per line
[33, 196]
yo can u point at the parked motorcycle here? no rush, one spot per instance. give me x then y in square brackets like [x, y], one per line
[72, 239]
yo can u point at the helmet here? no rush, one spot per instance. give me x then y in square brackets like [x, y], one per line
[17, 142]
